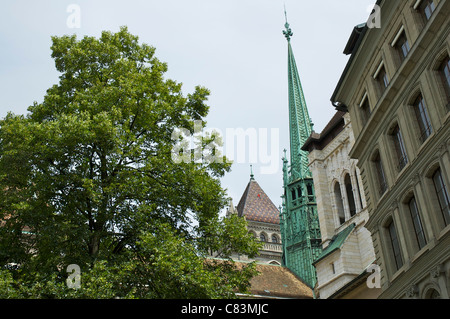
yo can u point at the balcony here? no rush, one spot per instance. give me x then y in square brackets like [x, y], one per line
[275, 247]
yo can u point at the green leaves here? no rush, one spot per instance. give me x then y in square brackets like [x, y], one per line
[88, 174]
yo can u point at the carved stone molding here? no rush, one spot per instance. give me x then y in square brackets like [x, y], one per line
[442, 149]
[415, 179]
[412, 291]
[437, 271]
[394, 204]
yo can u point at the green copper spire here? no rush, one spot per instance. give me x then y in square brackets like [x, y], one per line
[299, 221]
[299, 120]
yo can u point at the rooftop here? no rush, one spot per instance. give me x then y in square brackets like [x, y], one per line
[255, 205]
[278, 282]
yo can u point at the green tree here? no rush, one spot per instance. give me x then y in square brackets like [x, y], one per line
[87, 178]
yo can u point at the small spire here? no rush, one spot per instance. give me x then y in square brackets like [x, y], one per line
[252, 177]
[288, 32]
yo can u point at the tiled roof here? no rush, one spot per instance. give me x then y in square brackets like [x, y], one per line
[255, 205]
[278, 282]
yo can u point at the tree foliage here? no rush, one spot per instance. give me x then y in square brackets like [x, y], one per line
[87, 178]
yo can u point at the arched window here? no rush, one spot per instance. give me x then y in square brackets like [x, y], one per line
[432, 294]
[274, 239]
[395, 245]
[399, 145]
[381, 176]
[339, 205]
[423, 120]
[359, 189]
[262, 238]
[444, 71]
[442, 195]
[417, 223]
[350, 197]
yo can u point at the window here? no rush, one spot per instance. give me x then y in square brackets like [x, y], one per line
[442, 195]
[359, 190]
[382, 78]
[299, 192]
[262, 238]
[432, 294]
[401, 44]
[350, 197]
[310, 191]
[365, 110]
[417, 223]
[339, 205]
[274, 239]
[426, 8]
[423, 120]
[397, 138]
[380, 174]
[444, 71]
[395, 244]
[294, 194]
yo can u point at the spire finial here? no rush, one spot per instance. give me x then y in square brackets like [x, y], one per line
[285, 13]
[252, 177]
[288, 32]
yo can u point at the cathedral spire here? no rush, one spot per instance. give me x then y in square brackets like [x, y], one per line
[300, 125]
[299, 222]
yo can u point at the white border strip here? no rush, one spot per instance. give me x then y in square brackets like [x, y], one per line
[363, 99]
[417, 4]
[378, 69]
[394, 42]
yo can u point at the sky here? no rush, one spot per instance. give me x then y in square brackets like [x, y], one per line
[235, 48]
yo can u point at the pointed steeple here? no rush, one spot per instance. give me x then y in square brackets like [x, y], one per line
[255, 205]
[299, 222]
[300, 125]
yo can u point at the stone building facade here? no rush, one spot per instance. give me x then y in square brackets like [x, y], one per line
[347, 245]
[396, 89]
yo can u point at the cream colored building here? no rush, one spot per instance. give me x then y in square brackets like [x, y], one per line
[396, 88]
[341, 205]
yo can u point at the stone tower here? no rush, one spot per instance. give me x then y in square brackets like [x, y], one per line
[263, 221]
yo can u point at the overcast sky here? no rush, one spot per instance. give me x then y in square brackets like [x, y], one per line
[235, 48]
